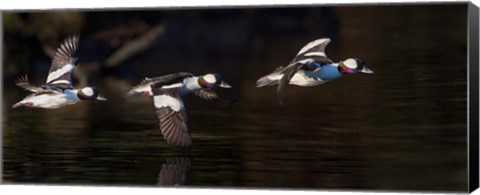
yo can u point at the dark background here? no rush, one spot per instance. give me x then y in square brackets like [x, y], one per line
[403, 128]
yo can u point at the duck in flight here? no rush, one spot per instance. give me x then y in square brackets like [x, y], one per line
[167, 91]
[311, 67]
[58, 90]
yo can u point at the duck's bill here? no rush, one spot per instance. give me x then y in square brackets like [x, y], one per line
[101, 98]
[225, 85]
[366, 70]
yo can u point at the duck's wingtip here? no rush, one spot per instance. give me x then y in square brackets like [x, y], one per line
[280, 101]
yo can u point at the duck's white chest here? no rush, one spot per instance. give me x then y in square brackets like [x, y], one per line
[190, 85]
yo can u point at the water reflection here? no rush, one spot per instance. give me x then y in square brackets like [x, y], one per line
[174, 171]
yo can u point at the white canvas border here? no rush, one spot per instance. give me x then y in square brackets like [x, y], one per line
[7, 5]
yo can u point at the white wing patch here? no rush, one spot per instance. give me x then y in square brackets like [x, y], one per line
[305, 61]
[176, 85]
[316, 54]
[313, 44]
[59, 72]
[61, 82]
[161, 101]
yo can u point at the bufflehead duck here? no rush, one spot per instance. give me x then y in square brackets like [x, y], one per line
[311, 67]
[167, 91]
[58, 90]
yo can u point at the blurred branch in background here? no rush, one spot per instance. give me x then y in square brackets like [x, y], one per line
[135, 46]
[31, 39]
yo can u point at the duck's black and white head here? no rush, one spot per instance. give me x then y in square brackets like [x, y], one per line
[353, 65]
[210, 81]
[90, 93]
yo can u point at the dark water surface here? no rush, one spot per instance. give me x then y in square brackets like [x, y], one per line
[403, 128]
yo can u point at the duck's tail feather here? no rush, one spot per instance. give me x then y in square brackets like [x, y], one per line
[265, 81]
[269, 80]
[140, 90]
[272, 78]
[23, 83]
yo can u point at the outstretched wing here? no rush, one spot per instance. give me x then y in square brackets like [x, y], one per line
[314, 50]
[172, 117]
[146, 85]
[311, 53]
[210, 95]
[288, 73]
[63, 64]
[23, 83]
